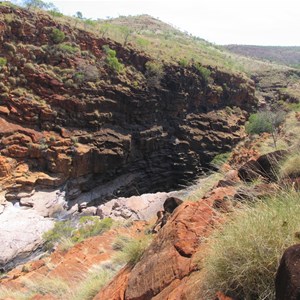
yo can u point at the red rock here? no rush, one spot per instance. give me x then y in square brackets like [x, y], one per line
[115, 290]
[169, 256]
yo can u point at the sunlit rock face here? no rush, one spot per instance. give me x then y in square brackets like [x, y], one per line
[138, 132]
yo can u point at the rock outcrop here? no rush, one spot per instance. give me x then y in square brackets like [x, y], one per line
[20, 235]
[288, 275]
[67, 117]
[170, 266]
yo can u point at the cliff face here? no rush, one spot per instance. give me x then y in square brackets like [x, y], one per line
[67, 116]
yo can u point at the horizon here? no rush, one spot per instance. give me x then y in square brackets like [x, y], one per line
[252, 23]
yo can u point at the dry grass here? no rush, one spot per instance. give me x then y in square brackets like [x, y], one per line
[291, 166]
[132, 250]
[245, 253]
[203, 186]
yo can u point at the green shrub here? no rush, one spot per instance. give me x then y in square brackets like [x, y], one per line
[290, 166]
[112, 61]
[259, 122]
[3, 62]
[204, 72]
[61, 230]
[183, 62]
[154, 73]
[264, 121]
[68, 48]
[91, 226]
[244, 255]
[220, 159]
[65, 233]
[132, 251]
[57, 36]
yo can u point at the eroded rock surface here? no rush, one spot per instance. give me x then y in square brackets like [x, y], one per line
[70, 118]
[168, 268]
[21, 233]
[288, 275]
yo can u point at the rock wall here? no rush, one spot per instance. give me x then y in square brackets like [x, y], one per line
[67, 117]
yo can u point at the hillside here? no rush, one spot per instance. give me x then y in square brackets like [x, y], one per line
[289, 56]
[113, 138]
[87, 119]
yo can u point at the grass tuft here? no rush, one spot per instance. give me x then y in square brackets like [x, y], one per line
[132, 251]
[244, 255]
[291, 166]
[92, 284]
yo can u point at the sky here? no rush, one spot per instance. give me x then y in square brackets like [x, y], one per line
[251, 22]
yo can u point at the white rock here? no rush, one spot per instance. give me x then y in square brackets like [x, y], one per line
[21, 233]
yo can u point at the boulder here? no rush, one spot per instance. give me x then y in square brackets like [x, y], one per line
[287, 281]
[264, 166]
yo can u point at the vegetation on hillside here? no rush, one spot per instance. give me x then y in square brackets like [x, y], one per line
[244, 254]
[279, 54]
[58, 288]
[65, 233]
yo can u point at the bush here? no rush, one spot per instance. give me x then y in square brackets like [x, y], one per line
[183, 62]
[132, 250]
[68, 48]
[265, 121]
[65, 233]
[244, 255]
[3, 61]
[112, 61]
[204, 72]
[57, 36]
[91, 226]
[154, 73]
[61, 230]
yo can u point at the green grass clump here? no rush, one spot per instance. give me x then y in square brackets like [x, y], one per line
[220, 159]
[244, 255]
[3, 61]
[204, 72]
[112, 60]
[57, 36]
[92, 226]
[92, 284]
[67, 48]
[53, 286]
[132, 250]
[291, 166]
[66, 234]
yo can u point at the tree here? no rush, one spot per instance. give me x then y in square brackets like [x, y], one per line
[78, 16]
[104, 29]
[126, 32]
[35, 4]
[265, 121]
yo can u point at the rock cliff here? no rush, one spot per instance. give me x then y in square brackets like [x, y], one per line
[68, 117]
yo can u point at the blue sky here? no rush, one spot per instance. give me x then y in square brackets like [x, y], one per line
[260, 22]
